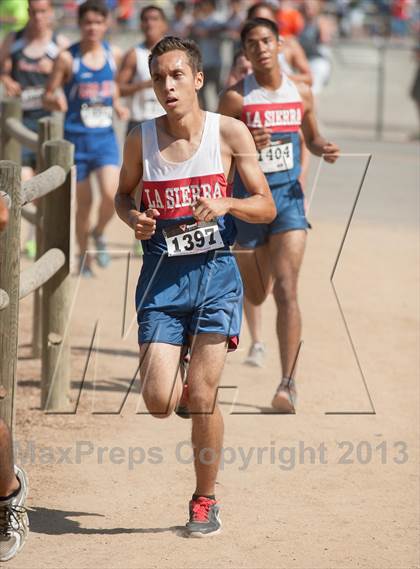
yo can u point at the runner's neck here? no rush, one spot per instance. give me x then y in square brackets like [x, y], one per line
[91, 47]
[149, 42]
[32, 35]
[270, 81]
[185, 127]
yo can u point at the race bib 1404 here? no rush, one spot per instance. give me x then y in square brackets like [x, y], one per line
[278, 157]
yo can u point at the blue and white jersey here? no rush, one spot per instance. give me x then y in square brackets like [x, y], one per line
[90, 94]
[281, 111]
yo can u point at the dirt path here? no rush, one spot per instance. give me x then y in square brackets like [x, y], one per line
[313, 490]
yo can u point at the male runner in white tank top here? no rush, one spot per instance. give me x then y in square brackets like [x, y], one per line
[189, 290]
[275, 108]
[134, 76]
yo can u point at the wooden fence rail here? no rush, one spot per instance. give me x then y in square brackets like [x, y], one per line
[21, 133]
[51, 271]
[13, 136]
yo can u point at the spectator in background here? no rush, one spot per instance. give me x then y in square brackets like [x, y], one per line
[314, 38]
[400, 17]
[125, 12]
[206, 31]
[13, 15]
[234, 23]
[415, 90]
[290, 21]
[181, 23]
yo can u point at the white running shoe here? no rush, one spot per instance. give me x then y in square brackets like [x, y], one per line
[256, 355]
[14, 522]
[284, 400]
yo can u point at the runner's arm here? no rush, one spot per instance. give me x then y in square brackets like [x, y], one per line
[53, 100]
[131, 174]
[315, 142]
[63, 42]
[230, 104]
[259, 207]
[231, 101]
[11, 86]
[126, 74]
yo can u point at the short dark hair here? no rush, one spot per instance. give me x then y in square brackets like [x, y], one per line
[92, 6]
[172, 43]
[254, 8]
[256, 23]
[152, 7]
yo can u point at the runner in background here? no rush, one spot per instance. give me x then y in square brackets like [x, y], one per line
[291, 56]
[87, 72]
[274, 109]
[26, 61]
[293, 62]
[134, 76]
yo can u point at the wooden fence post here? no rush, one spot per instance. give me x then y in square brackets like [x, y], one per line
[9, 281]
[49, 128]
[10, 149]
[56, 294]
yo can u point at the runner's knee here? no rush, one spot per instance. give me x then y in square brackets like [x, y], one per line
[159, 405]
[254, 295]
[201, 399]
[285, 291]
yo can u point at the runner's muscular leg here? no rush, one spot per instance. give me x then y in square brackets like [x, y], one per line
[161, 387]
[84, 205]
[8, 480]
[108, 181]
[287, 251]
[255, 267]
[208, 353]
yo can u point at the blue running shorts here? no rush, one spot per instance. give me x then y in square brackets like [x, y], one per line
[289, 200]
[178, 297]
[93, 151]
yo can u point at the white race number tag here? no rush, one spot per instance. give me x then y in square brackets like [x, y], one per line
[96, 116]
[32, 98]
[277, 157]
[192, 239]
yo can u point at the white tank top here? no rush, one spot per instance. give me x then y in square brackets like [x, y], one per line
[173, 187]
[284, 64]
[144, 104]
[280, 110]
